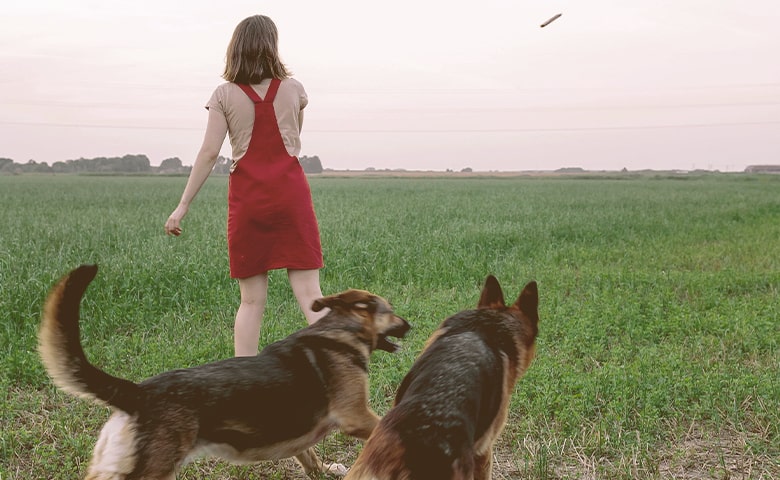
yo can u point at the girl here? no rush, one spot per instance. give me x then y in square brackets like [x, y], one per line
[271, 221]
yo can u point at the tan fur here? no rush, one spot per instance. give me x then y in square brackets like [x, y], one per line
[109, 458]
[51, 342]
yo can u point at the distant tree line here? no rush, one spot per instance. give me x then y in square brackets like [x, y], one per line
[130, 164]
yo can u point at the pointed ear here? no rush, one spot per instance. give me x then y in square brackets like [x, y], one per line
[319, 304]
[492, 296]
[528, 301]
[346, 300]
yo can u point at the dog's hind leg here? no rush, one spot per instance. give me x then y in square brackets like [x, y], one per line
[114, 456]
[313, 466]
[483, 465]
[168, 442]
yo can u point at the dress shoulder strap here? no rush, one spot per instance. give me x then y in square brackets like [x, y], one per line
[272, 89]
[269, 96]
[250, 92]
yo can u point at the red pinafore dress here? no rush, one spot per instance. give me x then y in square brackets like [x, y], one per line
[271, 221]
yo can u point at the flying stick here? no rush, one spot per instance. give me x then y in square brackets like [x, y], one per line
[550, 20]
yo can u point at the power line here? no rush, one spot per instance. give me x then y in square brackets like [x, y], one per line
[102, 126]
[437, 90]
[551, 129]
[427, 91]
[422, 130]
[452, 109]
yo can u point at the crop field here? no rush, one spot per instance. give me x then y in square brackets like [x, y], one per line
[659, 347]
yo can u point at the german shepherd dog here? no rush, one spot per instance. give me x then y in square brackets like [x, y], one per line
[453, 404]
[277, 404]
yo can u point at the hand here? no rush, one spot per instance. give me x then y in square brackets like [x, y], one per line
[173, 224]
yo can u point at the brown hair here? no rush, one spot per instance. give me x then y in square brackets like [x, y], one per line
[253, 53]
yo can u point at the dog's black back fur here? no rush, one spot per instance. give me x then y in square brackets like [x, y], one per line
[243, 389]
[436, 398]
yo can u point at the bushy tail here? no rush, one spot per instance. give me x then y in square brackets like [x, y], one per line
[60, 347]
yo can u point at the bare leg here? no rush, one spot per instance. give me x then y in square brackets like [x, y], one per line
[306, 287]
[249, 317]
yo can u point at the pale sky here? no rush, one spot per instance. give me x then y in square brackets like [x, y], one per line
[409, 84]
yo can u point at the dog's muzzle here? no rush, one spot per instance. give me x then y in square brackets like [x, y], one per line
[398, 331]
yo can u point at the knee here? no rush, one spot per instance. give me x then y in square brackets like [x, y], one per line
[253, 291]
[305, 283]
[252, 301]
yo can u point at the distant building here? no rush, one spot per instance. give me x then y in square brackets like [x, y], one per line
[762, 169]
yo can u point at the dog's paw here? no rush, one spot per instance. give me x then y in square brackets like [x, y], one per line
[336, 469]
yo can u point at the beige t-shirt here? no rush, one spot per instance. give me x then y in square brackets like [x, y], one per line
[239, 112]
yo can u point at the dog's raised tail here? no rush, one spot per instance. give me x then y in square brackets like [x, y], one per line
[60, 347]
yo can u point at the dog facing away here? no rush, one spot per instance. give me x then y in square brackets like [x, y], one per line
[275, 405]
[453, 404]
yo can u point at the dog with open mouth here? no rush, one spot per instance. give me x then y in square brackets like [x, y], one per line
[275, 405]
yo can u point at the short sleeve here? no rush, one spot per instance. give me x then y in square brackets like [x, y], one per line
[215, 102]
[302, 97]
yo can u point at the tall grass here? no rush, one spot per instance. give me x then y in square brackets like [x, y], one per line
[658, 348]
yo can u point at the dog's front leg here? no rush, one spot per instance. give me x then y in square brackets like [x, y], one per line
[351, 411]
[313, 466]
[360, 423]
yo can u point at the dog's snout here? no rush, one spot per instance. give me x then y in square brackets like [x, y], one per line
[401, 328]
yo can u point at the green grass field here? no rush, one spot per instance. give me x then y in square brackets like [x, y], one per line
[659, 347]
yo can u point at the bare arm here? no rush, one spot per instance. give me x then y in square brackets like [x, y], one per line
[300, 121]
[216, 129]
